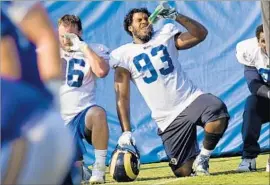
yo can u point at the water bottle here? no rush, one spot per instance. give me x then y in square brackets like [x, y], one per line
[153, 17]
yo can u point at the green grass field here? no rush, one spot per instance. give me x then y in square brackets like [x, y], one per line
[222, 172]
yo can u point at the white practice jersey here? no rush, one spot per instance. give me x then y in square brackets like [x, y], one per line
[78, 89]
[158, 75]
[250, 54]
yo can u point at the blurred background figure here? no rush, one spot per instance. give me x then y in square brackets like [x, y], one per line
[36, 147]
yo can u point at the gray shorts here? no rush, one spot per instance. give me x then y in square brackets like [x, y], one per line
[180, 138]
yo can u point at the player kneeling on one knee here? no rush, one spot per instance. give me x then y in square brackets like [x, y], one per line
[164, 86]
[84, 63]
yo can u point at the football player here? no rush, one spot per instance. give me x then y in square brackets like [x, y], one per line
[253, 54]
[31, 143]
[177, 105]
[82, 64]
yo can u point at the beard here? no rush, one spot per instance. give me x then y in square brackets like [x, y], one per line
[143, 38]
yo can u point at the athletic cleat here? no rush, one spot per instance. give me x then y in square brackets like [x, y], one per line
[247, 165]
[97, 180]
[192, 174]
[86, 174]
[201, 165]
[98, 174]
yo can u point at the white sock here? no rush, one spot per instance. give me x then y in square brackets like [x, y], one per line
[206, 152]
[100, 156]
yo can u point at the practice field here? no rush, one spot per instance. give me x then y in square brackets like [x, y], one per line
[222, 172]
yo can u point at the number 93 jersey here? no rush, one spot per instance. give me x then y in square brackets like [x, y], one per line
[157, 73]
[78, 89]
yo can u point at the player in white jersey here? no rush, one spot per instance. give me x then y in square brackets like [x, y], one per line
[82, 64]
[252, 53]
[177, 105]
[32, 150]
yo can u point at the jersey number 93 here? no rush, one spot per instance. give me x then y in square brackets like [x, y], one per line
[149, 66]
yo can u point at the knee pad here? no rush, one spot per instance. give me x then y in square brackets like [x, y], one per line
[210, 140]
[226, 126]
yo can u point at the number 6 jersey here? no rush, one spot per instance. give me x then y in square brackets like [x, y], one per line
[78, 89]
[157, 73]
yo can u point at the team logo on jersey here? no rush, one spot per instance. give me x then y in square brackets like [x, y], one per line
[173, 161]
[146, 47]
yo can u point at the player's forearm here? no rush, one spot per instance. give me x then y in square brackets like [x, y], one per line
[123, 114]
[193, 27]
[123, 103]
[255, 83]
[259, 89]
[122, 90]
[99, 66]
[264, 91]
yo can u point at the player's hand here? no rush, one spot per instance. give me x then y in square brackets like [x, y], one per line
[167, 12]
[126, 139]
[76, 43]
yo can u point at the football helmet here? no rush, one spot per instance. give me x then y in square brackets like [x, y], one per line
[125, 163]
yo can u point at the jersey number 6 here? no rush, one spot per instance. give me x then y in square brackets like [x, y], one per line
[73, 73]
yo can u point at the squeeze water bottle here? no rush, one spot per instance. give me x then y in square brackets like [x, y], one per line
[153, 17]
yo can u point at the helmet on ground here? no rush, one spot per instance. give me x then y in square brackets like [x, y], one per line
[125, 164]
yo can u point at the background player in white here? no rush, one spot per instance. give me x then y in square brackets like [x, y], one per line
[177, 105]
[82, 64]
[253, 54]
[30, 125]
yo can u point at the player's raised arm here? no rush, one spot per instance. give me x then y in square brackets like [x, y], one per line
[98, 64]
[195, 34]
